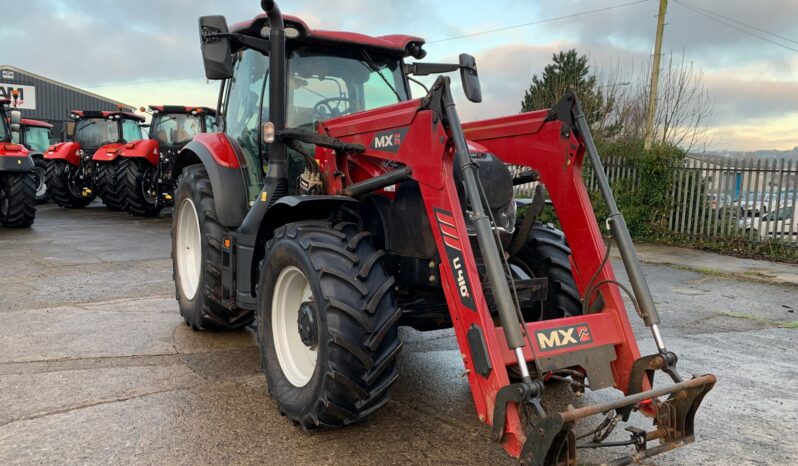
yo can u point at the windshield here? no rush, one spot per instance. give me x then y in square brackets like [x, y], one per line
[131, 131]
[175, 129]
[96, 132]
[324, 83]
[37, 138]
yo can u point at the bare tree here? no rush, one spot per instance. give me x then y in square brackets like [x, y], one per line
[684, 108]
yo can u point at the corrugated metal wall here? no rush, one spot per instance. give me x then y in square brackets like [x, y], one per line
[53, 102]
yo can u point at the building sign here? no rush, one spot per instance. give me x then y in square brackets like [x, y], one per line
[7, 74]
[23, 98]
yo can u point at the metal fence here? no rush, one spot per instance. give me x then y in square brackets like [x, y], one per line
[752, 199]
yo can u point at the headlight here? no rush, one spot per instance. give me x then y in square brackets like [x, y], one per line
[505, 217]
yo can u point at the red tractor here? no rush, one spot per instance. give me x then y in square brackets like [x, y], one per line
[80, 170]
[144, 175]
[335, 207]
[17, 179]
[37, 136]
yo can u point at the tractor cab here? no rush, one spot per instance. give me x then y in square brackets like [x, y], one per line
[94, 129]
[174, 126]
[35, 135]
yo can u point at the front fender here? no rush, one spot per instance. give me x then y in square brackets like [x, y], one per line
[67, 151]
[147, 149]
[108, 152]
[228, 183]
[285, 210]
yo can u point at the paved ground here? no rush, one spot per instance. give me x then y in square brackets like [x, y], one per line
[96, 367]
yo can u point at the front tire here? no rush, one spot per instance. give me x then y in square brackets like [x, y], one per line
[135, 184]
[197, 238]
[108, 185]
[546, 254]
[17, 199]
[63, 185]
[326, 324]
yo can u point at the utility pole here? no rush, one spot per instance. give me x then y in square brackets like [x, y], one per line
[651, 110]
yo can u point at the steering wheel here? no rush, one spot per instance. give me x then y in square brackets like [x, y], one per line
[324, 110]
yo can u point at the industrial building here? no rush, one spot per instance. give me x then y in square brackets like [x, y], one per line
[42, 98]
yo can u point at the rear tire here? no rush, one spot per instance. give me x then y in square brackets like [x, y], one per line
[17, 199]
[546, 254]
[40, 172]
[132, 176]
[197, 239]
[108, 186]
[343, 374]
[62, 187]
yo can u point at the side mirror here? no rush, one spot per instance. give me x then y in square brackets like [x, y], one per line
[216, 52]
[469, 77]
[16, 118]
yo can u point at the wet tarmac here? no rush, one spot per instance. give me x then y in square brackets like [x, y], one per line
[97, 367]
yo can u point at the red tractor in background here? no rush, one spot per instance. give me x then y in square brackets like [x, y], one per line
[17, 179]
[37, 136]
[335, 207]
[86, 167]
[144, 174]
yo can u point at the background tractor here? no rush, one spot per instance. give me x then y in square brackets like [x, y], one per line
[37, 136]
[85, 167]
[17, 179]
[335, 207]
[144, 174]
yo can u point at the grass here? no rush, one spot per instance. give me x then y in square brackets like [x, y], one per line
[760, 320]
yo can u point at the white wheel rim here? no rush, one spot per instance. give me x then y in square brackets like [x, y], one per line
[297, 361]
[188, 249]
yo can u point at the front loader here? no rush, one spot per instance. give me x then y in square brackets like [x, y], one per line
[144, 174]
[334, 207]
[81, 169]
[17, 179]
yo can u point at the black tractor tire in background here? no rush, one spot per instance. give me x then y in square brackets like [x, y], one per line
[40, 171]
[357, 341]
[204, 311]
[17, 199]
[107, 185]
[61, 189]
[131, 176]
[546, 255]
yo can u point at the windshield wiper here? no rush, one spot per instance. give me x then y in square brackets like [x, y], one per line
[373, 66]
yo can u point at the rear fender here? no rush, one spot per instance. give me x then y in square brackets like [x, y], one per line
[228, 182]
[107, 153]
[147, 149]
[67, 151]
[15, 158]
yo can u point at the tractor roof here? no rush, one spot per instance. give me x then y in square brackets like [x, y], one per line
[182, 109]
[98, 114]
[36, 123]
[398, 43]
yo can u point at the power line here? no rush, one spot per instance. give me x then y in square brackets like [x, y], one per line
[739, 22]
[718, 20]
[547, 20]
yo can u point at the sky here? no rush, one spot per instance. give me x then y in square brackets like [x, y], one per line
[147, 51]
